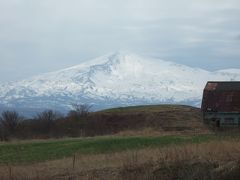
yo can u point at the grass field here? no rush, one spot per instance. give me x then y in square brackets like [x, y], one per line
[36, 151]
[130, 158]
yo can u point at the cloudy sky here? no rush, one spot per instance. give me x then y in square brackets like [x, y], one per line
[38, 36]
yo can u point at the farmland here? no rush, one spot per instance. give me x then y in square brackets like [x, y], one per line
[56, 149]
[180, 147]
[170, 157]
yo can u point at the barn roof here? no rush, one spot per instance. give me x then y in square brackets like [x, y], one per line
[221, 96]
[223, 86]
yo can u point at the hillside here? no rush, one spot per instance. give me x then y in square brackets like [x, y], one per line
[116, 79]
[156, 118]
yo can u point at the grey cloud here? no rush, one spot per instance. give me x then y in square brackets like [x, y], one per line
[46, 35]
[238, 37]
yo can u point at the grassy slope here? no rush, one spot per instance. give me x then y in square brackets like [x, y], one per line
[37, 151]
[159, 117]
[146, 108]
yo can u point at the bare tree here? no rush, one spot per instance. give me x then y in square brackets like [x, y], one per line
[46, 119]
[47, 115]
[9, 121]
[2, 133]
[80, 110]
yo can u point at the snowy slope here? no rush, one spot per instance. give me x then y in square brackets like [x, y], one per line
[113, 80]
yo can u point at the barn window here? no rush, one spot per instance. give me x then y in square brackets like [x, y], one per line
[209, 109]
[216, 119]
[229, 120]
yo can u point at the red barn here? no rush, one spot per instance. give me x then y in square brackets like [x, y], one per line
[221, 103]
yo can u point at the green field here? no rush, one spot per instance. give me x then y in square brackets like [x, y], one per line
[38, 151]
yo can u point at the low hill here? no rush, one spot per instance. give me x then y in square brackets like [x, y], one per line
[158, 118]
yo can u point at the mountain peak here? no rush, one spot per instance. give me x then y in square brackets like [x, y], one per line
[124, 57]
[110, 58]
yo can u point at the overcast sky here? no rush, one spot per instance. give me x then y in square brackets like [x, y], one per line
[38, 36]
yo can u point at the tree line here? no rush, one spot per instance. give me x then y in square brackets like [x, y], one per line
[46, 124]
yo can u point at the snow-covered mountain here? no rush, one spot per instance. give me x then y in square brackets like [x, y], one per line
[115, 79]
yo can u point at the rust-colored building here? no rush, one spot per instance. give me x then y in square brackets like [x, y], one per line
[221, 103]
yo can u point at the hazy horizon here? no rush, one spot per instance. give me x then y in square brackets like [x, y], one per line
[43, 36]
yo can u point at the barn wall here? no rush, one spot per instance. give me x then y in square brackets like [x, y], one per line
[221, 101]
[222, 119]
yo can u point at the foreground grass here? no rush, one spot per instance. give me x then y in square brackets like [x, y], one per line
[211, 160]
[38, 151]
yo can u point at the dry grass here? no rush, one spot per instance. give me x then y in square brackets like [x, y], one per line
[163, 118]
[211, 160]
